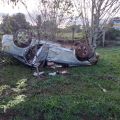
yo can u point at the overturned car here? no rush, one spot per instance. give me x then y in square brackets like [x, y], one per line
[34, 52]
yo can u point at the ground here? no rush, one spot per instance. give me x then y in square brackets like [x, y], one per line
[68, 36]
[87, 93]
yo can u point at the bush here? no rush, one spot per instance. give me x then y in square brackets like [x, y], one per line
[6, 59]
[112, 34]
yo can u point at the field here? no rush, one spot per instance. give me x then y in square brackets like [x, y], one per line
[87, 93]
[68, 36]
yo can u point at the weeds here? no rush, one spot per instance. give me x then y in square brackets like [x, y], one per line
[78, 96]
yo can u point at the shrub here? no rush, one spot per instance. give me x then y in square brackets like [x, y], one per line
[112, 34]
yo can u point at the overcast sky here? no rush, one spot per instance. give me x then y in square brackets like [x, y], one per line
[10, 9]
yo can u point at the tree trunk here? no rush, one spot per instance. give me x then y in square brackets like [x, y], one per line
[73, 33]
[103, 39]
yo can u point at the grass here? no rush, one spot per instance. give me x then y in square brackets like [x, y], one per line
[68, 36]
[88, 93]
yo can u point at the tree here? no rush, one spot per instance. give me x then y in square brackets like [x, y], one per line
[94, 15]
[39, 24]
[19, 22]
[6, 25]
[11, 24]
[53, 13]
[13, 1]
[39, 20]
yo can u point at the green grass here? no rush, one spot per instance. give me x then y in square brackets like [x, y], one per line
[88, 93]
[68, 36]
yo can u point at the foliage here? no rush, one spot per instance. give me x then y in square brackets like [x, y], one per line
[77, 96]
[45, 28]
[6, 25]
[11, 24]
[51, 14]
[112, 34]
[12, 1]
[76, 27]
[94, 15]
[6, 59]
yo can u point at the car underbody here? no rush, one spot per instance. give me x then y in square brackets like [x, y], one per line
[38, 51]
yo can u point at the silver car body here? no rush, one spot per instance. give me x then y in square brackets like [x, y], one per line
[48, 51]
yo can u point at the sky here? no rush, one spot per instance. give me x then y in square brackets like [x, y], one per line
[11, 9]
